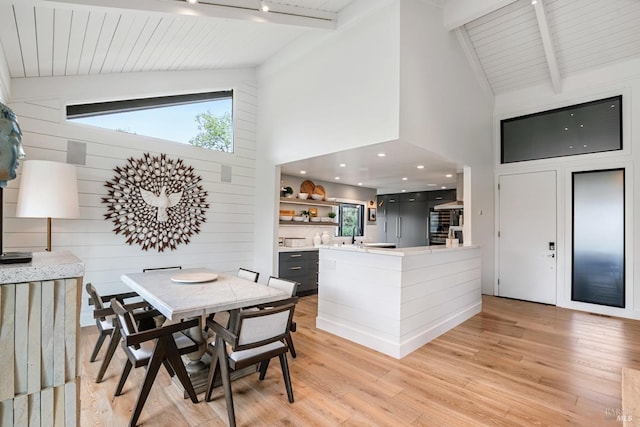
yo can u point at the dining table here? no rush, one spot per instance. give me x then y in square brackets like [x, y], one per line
[197, 293]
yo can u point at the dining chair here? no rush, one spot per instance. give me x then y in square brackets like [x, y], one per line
[143, 312]
[248, 274]
[254, 337]
[290, 287]
[104, 322]
[151, 348]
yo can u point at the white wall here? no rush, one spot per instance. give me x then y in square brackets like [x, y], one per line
[225, 241]
[444, 110]
[343, 93]
[623, 78]
[5, 78]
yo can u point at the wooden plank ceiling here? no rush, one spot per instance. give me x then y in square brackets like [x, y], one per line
[516, 46]
[528, 43]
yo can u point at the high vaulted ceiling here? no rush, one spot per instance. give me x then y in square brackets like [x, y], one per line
[510, 44]
[524, 43]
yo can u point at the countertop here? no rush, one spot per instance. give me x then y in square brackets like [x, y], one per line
[43, 266]
[417, 250]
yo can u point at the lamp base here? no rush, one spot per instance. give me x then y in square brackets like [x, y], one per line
[15, 257]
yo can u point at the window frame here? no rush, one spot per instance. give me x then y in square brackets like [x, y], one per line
[360, 217]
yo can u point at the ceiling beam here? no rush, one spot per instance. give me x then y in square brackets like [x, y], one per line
[547, 43]
[457, 13]
[476, 66]
[247, 10]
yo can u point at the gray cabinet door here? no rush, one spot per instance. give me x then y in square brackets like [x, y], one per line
[414, 220]
[392, 219]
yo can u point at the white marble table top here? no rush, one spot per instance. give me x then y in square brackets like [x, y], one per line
[181, 300]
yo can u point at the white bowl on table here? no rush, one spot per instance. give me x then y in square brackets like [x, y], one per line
[303, 196]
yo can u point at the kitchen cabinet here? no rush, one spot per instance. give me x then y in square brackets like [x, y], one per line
[403, 219]
[304, 204]
[301, 266]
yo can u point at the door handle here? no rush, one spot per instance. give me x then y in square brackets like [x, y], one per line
[552, 256]
[399, 228]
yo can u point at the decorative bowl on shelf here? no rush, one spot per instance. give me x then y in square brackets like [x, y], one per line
[285, 217]
[317, 196]
[303, 195]
[331, 199]
[326, 219]
[298, 218]
[315, 219]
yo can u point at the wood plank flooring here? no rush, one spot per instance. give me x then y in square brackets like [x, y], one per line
[516, 363]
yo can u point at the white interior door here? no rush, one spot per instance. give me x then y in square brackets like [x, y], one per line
[527, 237]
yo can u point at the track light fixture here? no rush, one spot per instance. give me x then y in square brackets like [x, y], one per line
[264, 6]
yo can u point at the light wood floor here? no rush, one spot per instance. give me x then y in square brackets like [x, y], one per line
[516, 363]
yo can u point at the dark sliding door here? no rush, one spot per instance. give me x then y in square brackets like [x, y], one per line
[598, 237]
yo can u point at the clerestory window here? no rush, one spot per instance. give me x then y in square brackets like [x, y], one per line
[202, 119]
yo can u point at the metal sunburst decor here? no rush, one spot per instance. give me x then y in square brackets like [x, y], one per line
[156, 202]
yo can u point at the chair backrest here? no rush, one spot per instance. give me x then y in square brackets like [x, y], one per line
[248, 274]
[289, 286]
[95, 299]
[125, 318]
[179, 267]
[261, 327]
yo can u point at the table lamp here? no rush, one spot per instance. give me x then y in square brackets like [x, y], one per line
[48, 190]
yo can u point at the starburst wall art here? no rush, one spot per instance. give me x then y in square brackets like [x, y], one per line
[156, 202]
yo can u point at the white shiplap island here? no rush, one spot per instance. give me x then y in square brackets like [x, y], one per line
[396, 300]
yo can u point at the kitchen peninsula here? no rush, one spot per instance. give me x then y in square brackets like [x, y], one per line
[396, 300]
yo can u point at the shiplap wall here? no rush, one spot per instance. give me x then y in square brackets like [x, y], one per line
[225, 241]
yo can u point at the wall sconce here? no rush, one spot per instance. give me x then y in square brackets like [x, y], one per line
[48, 190]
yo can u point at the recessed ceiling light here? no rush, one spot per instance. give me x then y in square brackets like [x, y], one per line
[359, 183]
[192, 1]
[382, 154]
[534, 1]
[581, 126]
[303, 172]
[343, 165]
[264, 7]
[443, 187]
[431, 185]
[420, 166]
[337, 178]
[404, 191]
[566, 128]
[404, 178]
[448, 175]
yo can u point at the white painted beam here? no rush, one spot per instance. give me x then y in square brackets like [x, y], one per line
[547, 43]
[248, 10]
[472, 57]
[457, 13]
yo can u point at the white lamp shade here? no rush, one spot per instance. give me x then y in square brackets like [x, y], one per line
[48, 190]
